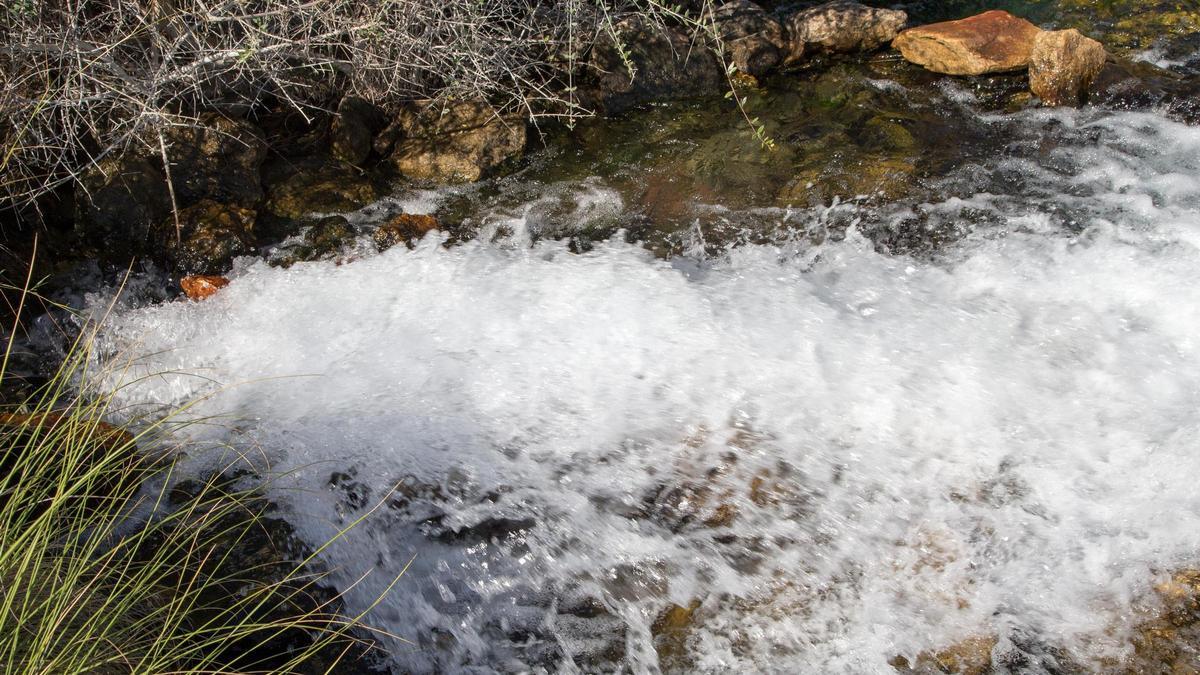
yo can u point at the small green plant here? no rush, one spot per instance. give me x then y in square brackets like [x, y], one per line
[102, 573]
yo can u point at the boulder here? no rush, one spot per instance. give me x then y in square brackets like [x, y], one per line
[403, 229]
[353, 129]
[841, 26]
[314, 186]
[451, 142]
[754, 40]
[1062, 65]
[991, 42]
[120, 202]
[209, 236]
[216, 158]
[640, 62]
[197, 287]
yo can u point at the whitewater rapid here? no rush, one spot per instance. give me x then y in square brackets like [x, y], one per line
[836, 455]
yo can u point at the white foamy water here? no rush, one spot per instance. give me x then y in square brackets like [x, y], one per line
[840, 455]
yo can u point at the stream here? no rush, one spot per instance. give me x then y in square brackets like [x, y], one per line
[660, 400]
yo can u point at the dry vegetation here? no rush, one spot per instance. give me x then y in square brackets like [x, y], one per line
[82, 79]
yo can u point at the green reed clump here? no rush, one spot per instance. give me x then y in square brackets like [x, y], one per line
[108, 565]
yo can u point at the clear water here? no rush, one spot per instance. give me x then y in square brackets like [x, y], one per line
[836, 454]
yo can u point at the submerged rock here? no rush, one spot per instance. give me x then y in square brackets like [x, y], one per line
[991, 42]
[200, 286]
[644, 62]
[753, 39]
[1137, 85]
[841, 26]
[1170, 641]
[209, 236]
[971, 656]
[1062, 65]
[453, 142]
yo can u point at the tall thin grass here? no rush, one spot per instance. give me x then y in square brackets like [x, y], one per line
[100, 573]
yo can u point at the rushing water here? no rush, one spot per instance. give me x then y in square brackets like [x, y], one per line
[834, 452]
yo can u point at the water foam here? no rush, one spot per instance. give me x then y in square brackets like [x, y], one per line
[840, 455]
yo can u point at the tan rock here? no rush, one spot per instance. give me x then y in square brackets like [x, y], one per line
[753, 39]
[1062, 65]
[970, 656]
[453, 142]
[841, 26]
[991, 42]
[200, 286]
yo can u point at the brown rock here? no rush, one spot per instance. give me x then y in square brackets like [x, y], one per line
[666, 64]
[841, 26]
[971, 656]
[671, 631]
[353, 129]
[216, 158]
[992, 42]
[453, 142]
[209, 237]
[1062, 65]
[753, 39]
[199, 286]
[402, 229]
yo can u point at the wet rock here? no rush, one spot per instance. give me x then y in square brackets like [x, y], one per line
[971, 656]
[841, 26]
[403, 228]
[209, 236]
[1062, 65]
[1169, 642]
[324, 238]
[753, 39]
[666, 64]
[120, 201]
[352, 493]
[1169, 27]
[314, 186]
[1137, 85]
[991, 42]
[200, 286]
[217, 158]
[353, 129]
[671, 631]
[451, 142]
[486, 530]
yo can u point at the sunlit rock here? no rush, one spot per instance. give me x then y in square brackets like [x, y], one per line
[753, 39]
[316, 186]
[991, 42]
[451, 142]
[1062, 65]
[200, 286]
[402, 229]
[841, 26]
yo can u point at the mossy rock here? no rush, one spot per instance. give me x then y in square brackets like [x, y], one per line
[318, 186]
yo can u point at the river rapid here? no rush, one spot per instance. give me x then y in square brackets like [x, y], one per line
[751, 435]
